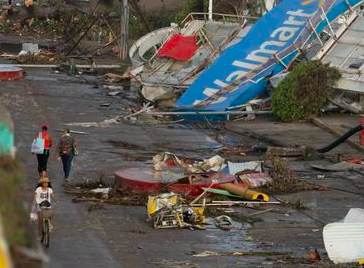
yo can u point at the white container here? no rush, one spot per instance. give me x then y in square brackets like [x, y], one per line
[344, 241]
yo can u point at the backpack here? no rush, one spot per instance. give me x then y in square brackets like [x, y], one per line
[65, 145]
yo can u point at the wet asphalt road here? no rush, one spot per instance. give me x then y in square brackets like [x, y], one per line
[114, 236]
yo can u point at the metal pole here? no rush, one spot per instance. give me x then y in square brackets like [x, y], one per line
[281, 62]
[314, 30]
[126, 22]
[210, 9]
[349, 6]
[124, 28]
[327, 21]
[210, 112]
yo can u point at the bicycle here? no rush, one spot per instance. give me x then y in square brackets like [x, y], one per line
[46, 214]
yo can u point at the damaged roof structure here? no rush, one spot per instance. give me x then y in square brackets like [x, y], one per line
[344, 50]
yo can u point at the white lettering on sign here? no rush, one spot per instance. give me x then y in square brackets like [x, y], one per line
[280, 37]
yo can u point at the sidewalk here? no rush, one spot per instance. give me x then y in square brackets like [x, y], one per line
[300, 133]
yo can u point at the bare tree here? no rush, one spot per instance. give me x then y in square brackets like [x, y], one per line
[136, 9]
[240, 7]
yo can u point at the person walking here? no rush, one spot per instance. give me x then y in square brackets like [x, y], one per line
[43, 157]
[66, 149]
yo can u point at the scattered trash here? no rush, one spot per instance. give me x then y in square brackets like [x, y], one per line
[208, 253]
[247, 195]
[114, 93]
[235, 168]
[251, 173]
[168, 211]
[113, 87]
[101, 190]
[215, 163]
[314, 256]
[105, 104]
[115, 78]
[223, 222]
[256, 180]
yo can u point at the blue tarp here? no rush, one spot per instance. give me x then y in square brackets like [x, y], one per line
[238, 75]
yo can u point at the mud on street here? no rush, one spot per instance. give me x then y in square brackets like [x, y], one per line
[106, 235]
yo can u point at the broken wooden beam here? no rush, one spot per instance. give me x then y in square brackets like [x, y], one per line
[287, 151]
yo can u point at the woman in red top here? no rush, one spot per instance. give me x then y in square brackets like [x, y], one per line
[43, 158]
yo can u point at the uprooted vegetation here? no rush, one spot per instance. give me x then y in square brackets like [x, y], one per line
[287, 181]
[304, 91]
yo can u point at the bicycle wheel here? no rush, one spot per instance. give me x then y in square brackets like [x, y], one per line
[45, 232]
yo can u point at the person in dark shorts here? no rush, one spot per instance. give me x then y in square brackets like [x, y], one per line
[43, 157]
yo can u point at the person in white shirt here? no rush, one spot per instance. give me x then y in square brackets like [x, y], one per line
[43, 196]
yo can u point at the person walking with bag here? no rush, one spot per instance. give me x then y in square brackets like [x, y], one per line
[66, 150]
[43, 157]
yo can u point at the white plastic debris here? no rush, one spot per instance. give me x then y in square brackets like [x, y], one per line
[101, 190]
[344, 241]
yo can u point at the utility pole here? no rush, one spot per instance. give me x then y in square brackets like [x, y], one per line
[124, 30]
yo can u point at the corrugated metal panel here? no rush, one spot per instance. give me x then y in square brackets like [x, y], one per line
[237, 167]
[347, 53]
[350, 85]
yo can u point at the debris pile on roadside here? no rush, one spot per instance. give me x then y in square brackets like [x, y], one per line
[166, 191]
[168, 210]
[42, 57]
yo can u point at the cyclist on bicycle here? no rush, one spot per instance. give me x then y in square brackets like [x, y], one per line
[43, 197]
